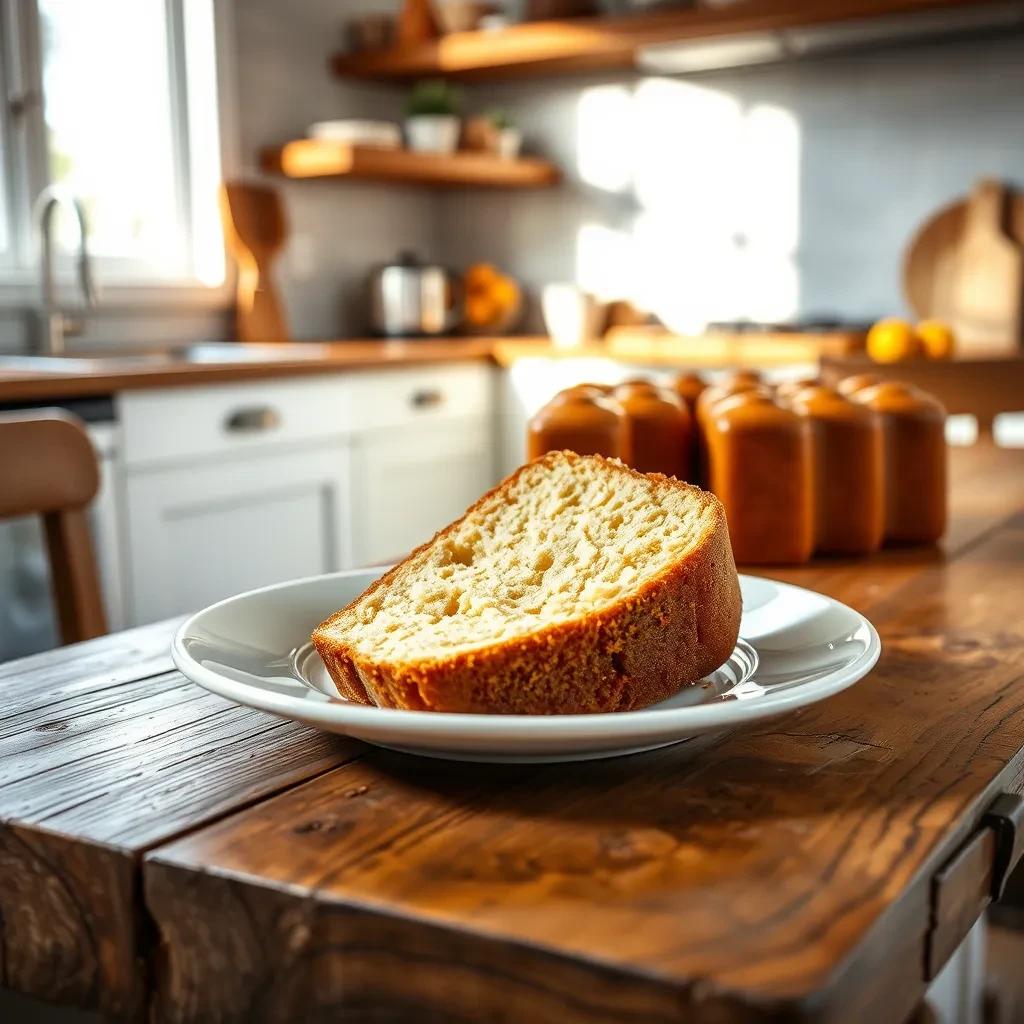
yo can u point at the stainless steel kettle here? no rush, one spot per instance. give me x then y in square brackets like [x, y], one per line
[412, 299]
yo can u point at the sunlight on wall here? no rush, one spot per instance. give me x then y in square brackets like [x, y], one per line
[605, 262]
[769, 196]
[687, 139]
[603, 143]
[686, 279]
[717, 188]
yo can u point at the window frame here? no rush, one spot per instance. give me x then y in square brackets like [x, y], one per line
[123, 281]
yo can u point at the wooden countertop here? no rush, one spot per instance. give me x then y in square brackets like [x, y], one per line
[121, 372]
[173, 857]
[124, 371]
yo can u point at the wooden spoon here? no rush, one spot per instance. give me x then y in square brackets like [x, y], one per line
[256, 231]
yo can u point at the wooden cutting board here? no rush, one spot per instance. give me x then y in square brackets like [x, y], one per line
[966, 266]
[256, 230]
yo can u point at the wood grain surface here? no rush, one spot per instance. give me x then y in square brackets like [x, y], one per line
[288, 881]
[328, 158]
[780, 873]
[105, 751]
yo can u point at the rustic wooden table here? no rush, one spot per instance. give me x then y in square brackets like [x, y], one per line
[165, 853]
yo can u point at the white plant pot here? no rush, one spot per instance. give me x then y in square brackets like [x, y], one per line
[432, 133]
[510, 142]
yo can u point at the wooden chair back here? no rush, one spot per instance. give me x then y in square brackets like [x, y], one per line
[48, 468]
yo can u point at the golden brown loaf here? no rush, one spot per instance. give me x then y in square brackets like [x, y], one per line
[583, 420]
[577, 585]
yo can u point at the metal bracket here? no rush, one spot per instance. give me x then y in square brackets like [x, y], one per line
[1006, 818]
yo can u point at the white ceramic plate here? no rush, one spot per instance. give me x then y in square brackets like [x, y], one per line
[797, 647]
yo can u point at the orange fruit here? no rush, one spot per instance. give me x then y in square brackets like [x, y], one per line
[892, 340]
[505, 292]
[480, 310]
[480, 276]
[937, 338]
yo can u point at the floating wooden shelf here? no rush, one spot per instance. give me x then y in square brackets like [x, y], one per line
[587, 44]
[315, 158]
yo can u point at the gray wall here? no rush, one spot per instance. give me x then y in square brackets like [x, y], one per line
[339, 229]
[837, 159]
[770, 191]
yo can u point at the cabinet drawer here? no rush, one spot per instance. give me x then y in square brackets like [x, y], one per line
[386, 398]
[180, 423]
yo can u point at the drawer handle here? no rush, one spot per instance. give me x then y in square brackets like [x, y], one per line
[252, 420]
[427, 398]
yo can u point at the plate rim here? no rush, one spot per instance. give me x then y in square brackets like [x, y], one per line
[644, 722]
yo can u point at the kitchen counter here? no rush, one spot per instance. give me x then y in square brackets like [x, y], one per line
[105, 373]
[95, 373]
[819, 867]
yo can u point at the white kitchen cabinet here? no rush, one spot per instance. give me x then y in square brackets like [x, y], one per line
[234, 486]
[407, 484]
[199, 533]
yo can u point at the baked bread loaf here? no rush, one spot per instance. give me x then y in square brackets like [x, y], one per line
[577, 585]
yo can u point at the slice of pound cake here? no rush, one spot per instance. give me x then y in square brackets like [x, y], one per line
[577, 585]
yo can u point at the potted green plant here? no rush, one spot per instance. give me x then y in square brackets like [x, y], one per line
[432, 117]
[510, 138]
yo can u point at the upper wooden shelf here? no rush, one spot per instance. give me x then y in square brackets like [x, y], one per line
[315, 158]
[588, 44]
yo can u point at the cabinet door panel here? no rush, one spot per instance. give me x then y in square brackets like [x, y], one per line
[202, 534]
[409, 484]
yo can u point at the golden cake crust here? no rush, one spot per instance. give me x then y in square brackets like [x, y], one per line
[674, 629]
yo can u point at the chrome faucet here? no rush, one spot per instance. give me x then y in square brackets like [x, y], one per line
[54, 325]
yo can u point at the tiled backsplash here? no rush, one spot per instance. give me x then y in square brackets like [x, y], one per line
[765, 192]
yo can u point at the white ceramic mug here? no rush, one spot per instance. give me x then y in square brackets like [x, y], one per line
[571, 315]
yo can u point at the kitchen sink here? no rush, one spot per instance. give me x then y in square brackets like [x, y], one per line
[78, 364]
[234, 352]
[206, 354]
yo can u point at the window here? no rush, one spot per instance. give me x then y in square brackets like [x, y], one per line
[116, 100]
